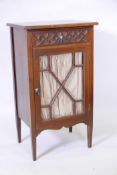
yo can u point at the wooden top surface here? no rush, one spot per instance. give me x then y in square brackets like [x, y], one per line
[51, 24]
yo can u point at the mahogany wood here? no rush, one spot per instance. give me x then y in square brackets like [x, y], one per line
[28, 43]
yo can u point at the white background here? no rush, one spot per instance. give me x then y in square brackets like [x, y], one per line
[58, 151]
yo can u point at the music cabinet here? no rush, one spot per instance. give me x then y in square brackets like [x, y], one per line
[53, 76]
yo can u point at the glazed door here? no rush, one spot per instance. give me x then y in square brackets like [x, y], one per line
[61, 84]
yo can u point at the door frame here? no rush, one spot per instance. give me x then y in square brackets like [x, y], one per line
[65, 121]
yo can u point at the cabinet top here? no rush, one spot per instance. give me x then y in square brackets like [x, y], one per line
[51, 24]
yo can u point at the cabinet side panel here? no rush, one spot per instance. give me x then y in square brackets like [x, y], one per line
[91, 75]
[22, 79]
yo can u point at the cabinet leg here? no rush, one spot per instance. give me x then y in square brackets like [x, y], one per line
[33, 139]
[70, 129]
[18, 126]
[89, 135]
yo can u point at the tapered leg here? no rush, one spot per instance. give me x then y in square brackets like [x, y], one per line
[89, 135]
[18, 126]
[70, 129]
[33, 147]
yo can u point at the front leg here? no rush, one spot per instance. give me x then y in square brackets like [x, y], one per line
[89, 134]
[70, 129]
[33, 140]
[18, 126]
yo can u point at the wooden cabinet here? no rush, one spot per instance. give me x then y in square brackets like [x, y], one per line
[53, 76]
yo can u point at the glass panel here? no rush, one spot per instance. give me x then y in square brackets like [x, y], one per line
[61, 84]
[78, 58]
[74, 84]
[49, 87]
[45, 114]
[61, 64]
[43, 62]
[79, 108]
[60, 108]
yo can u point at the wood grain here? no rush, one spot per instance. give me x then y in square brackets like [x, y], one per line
[26, 51]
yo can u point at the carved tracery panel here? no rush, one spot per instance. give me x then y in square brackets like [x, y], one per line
[51, 37]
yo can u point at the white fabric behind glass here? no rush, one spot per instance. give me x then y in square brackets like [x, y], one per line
[60, 66]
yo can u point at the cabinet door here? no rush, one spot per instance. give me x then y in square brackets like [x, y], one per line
[61, 82]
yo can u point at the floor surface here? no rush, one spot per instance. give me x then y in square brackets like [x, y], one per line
[60, 152]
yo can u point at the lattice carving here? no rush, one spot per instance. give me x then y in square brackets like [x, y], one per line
[60, 36]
